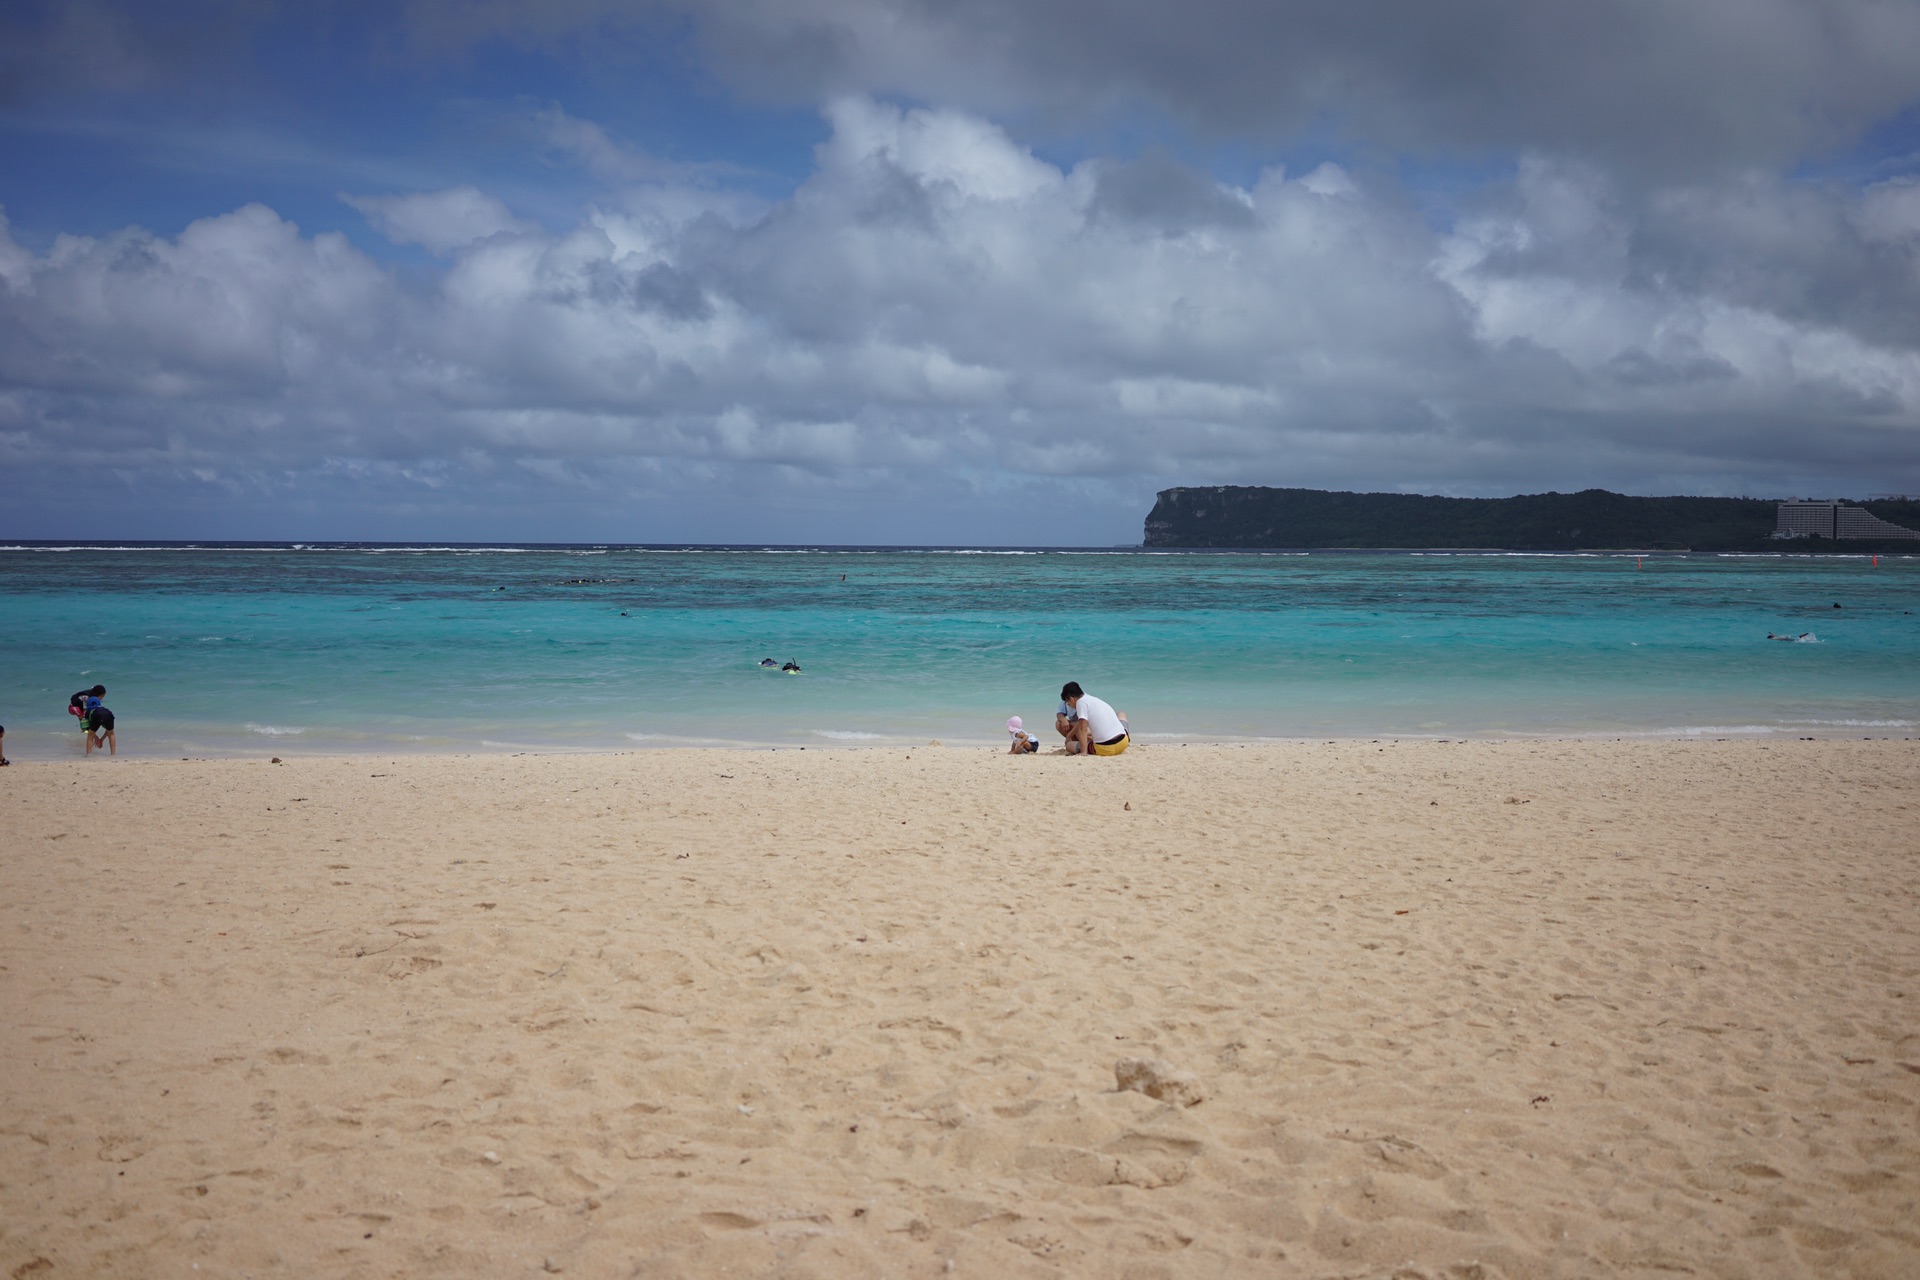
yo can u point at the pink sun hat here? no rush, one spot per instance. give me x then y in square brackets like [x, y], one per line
[1014, 725]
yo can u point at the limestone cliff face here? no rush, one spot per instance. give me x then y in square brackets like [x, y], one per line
[1195, 517]
[1242, 516]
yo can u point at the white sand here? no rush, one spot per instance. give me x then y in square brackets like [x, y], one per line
[1485, 1009]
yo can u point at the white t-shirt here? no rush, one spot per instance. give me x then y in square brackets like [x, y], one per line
[1102, 723]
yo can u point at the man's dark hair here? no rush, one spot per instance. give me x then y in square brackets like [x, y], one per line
[98, 691]
[1072, 689]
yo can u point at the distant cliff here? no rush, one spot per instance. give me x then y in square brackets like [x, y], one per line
[1245, 516]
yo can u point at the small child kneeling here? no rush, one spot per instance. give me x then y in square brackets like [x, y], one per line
[1024, 743]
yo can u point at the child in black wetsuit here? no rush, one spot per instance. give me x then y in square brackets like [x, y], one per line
[77, 704]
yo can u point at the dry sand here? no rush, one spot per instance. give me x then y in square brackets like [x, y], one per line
[1461, 1009]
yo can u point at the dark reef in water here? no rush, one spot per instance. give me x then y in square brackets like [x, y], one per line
[1242, 516]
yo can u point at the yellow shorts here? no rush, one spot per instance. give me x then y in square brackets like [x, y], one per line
[1110, 748]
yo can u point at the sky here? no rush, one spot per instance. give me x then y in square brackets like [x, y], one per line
[955, 272]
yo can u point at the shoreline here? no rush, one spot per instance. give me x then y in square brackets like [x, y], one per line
[1864, 548]
[1511, 1008]
[295, 746]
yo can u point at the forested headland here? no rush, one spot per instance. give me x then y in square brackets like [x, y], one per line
[1245, 516]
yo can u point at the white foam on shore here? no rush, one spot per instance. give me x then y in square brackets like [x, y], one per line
[274, 730]
[848, 735]
[1722, 730]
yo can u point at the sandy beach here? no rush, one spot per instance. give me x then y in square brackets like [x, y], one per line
[1468, 1009]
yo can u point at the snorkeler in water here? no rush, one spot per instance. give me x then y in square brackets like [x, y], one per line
[768, 662]
[792, 668]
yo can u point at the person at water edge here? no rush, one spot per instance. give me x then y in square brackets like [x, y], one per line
[1024, 743]
[99, 728]
[1096, 728]
[77, 703]
[1066, 720]
[3, 746]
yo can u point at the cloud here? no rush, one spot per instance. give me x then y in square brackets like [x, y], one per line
[1657, 88]
[585, 143]
[238, 306]
[438, 221]
[55, 47]
[940, 332]
[1662, 89]
[1890, 211]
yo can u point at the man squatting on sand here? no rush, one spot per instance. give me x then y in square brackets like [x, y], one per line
[1090, 726]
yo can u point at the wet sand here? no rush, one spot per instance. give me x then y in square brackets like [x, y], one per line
[1453, 1009]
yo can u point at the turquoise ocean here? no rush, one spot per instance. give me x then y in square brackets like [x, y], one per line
[230, 649]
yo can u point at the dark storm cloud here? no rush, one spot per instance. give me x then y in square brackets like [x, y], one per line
[1665, 88]
[1158, 191]
[57, 48]
[1654, 87]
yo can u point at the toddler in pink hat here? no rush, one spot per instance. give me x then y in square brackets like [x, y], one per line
[1024, 743]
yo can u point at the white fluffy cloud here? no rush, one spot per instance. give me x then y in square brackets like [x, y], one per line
[941, 335]
[438, 221]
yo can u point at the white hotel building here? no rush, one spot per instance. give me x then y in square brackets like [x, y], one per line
[1807, 518]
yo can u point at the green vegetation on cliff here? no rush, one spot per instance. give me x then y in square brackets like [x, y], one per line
[1246, 516]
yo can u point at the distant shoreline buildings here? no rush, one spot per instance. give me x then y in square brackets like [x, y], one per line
[1811, 518]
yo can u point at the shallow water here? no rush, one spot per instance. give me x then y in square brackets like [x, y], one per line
[220, 649]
